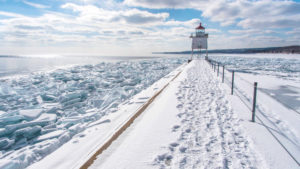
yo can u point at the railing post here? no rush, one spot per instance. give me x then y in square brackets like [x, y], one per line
[223, 74]
[218, 69]
[232, 82]
[254, 101]
[214, 67]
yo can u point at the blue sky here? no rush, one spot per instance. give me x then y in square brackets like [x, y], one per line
[139, 27]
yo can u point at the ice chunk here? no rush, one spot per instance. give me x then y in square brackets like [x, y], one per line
[97, 102]
[77, 105]
[13, 127]
[3, 132]
[64, 137]
[82, 95]
[48, 130]
[54, 134]
[31, 114]
[76, 128]
[105, 84]
[9, 164]
[70, 121]
[6, 90]
[47, 117]
[70, 102]
[11, 120]
[53, 110]
[5, 143]
[28, 132]
[48, 98]
[68, 107]
[2, 113]
[36, 82]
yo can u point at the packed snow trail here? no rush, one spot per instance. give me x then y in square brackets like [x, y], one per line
[210, 134]
[191, 125]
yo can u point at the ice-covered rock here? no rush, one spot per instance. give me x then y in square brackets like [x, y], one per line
[31, 114]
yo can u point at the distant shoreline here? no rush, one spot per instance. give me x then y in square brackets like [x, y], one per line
[286, 49]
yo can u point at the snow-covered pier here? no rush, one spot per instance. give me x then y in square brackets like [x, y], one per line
[190, 124]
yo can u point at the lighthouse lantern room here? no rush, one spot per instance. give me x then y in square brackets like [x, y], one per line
[199, 41]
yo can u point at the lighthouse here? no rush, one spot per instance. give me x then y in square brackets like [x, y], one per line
[199, 41]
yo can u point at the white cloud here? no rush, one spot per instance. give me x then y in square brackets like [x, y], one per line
[158, 4]
[95, 28]
[131, 16]
[135, 16]
[36, 5]
[88, 26]
[274, 22]
[250, 31]
[295, 31]
[213, 30]
[9, 14]
[244, 13]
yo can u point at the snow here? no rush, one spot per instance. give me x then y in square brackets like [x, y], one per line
[84, 144]
[282, 66]
[190, 125]
[40, 112]
[277, 105]
[272, 141]
[195, 122]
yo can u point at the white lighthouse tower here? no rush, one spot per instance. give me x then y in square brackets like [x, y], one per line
[199, 41]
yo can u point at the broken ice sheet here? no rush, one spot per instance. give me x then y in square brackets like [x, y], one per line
[40, 112]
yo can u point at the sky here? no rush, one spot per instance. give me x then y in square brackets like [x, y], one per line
[140, 27]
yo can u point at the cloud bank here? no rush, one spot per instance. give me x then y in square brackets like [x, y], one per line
[143, 26]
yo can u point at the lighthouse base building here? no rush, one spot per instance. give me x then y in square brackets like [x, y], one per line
[199, 41]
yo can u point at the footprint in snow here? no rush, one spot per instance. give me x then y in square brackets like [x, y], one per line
[175, 128]
[167, 159]
[182, 149]
[179, 106]
[174, 144]
[188, 130]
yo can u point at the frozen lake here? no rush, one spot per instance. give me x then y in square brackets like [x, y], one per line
[56, 98]
[18, 65]
[283, 66]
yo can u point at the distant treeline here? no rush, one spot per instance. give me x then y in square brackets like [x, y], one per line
[286, 49]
